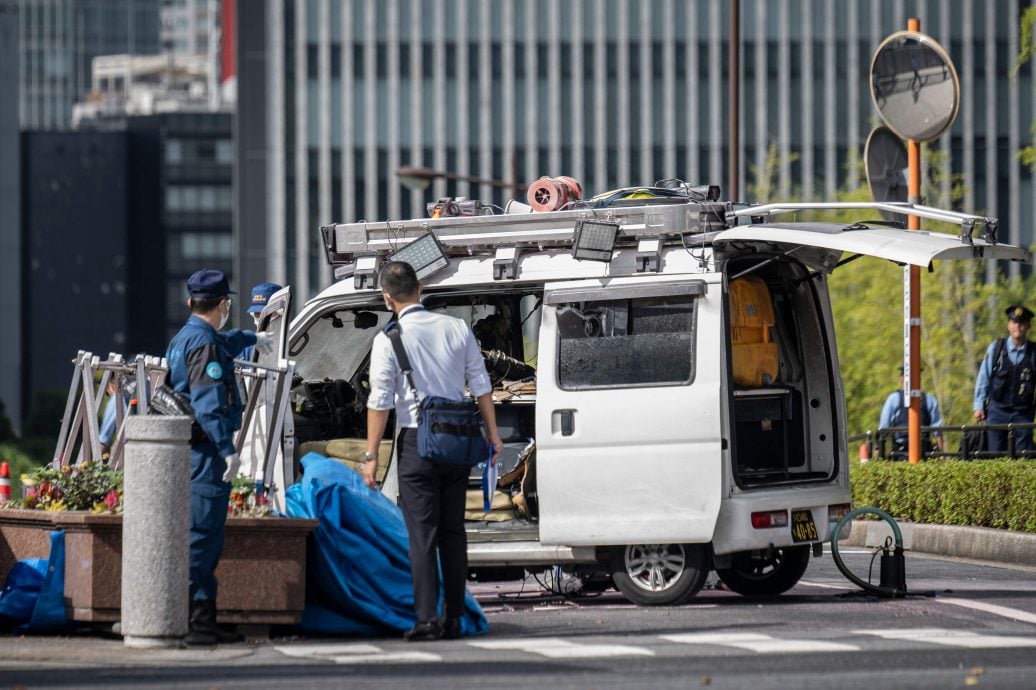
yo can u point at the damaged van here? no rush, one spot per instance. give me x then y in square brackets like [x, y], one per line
[665, 375]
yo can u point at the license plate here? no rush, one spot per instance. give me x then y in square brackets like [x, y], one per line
[802, 526]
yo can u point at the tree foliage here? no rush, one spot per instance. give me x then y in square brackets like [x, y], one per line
[1026, 49]
[961, 313]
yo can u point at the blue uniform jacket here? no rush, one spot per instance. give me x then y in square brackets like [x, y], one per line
[201, 365]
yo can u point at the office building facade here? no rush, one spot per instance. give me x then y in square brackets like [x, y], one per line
[10, 219]
[59, 39]
[338, 95]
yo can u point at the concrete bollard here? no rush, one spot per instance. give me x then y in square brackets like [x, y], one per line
[155, 529]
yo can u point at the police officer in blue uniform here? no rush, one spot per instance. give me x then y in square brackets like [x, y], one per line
[201, 366]
[261, 294]
[1005, 391]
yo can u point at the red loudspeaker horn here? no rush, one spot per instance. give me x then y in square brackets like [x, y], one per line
[553, 193]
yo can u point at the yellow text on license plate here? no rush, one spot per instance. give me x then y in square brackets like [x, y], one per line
[802, 526]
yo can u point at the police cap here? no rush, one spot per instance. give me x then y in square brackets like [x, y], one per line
[261, 294]
[208, 283]
[1017, 312]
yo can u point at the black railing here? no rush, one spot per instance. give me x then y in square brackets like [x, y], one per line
[880, 445]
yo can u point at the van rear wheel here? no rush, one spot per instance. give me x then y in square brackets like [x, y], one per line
[659, 574]
[771, 573]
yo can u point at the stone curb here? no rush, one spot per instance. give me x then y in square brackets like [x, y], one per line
[977, 543]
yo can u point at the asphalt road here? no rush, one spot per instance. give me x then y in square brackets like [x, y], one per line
[964, 625]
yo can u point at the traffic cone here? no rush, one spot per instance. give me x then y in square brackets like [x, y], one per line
[5, 482]
[865, 451]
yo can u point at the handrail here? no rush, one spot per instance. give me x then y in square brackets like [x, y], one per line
[900, 207]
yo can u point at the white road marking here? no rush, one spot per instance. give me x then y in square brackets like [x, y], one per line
[388, 658]
[807, 583]
[1004, 611]
[554, 648]
[952, 638]
[320, 650]
[762, 644]
[354, 653]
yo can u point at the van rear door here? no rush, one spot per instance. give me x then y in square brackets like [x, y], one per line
[267, 434]
[915, 247]
[628, 413]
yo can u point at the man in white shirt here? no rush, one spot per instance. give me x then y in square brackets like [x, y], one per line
[444, 356]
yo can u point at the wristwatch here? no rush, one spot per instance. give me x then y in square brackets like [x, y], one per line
[368, 456]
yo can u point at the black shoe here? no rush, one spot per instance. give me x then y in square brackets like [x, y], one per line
[423, 632]
[224, 636]
[198, 638]
[203, 628]
[450, 628]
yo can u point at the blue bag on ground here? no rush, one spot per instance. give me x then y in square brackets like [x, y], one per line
[33, 595]
[357, 566]
[450, 432]
[21, 590]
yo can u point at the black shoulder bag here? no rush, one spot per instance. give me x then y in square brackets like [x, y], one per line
[448, 431]
[166, 400]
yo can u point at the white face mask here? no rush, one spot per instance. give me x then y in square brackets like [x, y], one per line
[224, 318]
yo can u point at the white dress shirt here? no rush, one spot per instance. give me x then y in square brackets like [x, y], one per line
[444, 356]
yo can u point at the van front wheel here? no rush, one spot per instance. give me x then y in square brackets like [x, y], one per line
[765, 574]
[659, 574]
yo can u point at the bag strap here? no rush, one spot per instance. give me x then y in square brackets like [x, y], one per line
[395, 336]
[998, 354]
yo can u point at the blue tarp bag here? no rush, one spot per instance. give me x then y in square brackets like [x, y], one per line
[33, 596]
[21, 590]
[357, 565]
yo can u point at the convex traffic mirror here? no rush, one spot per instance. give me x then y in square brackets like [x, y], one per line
[914, 86]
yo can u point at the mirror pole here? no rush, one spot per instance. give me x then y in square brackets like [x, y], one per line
[913, 379]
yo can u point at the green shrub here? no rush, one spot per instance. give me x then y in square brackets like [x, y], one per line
[20, 463]
[981, 493]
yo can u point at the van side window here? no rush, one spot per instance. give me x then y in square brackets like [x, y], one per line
[632, 342]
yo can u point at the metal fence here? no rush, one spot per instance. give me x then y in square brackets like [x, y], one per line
[879, 443]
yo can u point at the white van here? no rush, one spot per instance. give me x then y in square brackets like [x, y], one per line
[671, 435]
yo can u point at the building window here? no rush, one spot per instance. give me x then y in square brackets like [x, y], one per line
[224, 151]
[202, 246]
[173, 151]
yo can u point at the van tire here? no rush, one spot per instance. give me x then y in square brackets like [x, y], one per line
[760, 575]
[659, 574]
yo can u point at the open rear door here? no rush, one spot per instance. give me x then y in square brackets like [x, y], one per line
[915, 247]
[266, 440]
[628, 429]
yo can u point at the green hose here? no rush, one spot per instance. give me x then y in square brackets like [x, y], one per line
[897, 535]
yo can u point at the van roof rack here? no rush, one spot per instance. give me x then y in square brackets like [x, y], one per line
[670, 222]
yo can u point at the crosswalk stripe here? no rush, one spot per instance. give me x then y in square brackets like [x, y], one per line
[557, 648]
[388, 658]
[952, 638]
[320, 650]
[554, 648]
[995, 609]
[762, 644]
[354, 653]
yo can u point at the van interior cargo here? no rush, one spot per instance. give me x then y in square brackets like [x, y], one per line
[783, 394]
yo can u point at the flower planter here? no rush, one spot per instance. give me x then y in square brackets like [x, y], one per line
[262, 572]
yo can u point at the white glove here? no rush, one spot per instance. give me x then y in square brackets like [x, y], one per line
[233, 467]
[264, 343]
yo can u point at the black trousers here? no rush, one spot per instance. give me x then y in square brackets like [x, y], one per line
[431, 496]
